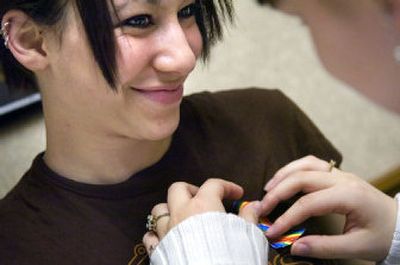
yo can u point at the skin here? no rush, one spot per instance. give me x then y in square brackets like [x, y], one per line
[338, 192]
[185, 200]
[325, 192]
[87, 123]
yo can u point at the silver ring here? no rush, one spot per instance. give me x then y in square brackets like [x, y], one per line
[151, 223]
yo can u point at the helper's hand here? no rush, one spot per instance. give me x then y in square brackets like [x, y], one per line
[185, 200]
[370, 214]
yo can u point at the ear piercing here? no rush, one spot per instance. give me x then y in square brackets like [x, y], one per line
[4, 31]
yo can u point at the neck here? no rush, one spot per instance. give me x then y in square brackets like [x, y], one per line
[100, 159]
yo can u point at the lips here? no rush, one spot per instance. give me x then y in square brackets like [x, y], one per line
[162, 95]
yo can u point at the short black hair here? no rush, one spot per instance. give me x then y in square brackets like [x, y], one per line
[210, 16]
[270, 2]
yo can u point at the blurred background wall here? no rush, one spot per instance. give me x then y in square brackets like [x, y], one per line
[267, 49]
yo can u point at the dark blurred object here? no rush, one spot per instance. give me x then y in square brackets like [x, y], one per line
[270, 2]
[389, 183]
[11, 100]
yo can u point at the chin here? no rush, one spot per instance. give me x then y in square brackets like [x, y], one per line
[160, 130]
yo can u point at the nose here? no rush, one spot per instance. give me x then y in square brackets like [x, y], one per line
[175, 54]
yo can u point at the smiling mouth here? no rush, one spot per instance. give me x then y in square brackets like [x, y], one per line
[163, 95]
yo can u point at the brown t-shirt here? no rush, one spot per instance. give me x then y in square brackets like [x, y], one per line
[241, 135]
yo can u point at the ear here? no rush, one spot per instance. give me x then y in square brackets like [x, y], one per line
[26, 40]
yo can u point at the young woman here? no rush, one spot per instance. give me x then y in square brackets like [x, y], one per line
[119, 132]
[358, 42]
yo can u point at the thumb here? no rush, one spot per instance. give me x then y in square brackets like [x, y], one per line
[251, 212]
[329, 247]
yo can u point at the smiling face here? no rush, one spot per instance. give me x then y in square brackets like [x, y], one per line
[157, 42]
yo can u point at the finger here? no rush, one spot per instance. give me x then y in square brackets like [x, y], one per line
[314, 204]
[150, 241]
[220, 189]
[159, 209]
[346, 246]
[308, 163]
[162, 227]
[179, 193]
[302, 181]
[251, 212]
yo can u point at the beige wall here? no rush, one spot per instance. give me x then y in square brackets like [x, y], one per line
[270, 49]
[266, 49]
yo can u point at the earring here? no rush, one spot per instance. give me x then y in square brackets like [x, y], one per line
[396, 53]
[4, 33]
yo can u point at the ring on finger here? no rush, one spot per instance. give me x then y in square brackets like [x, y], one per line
[332, 164]
[152, 220]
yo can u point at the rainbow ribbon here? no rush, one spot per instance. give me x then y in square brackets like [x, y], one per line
[264, 224]
[285, 240]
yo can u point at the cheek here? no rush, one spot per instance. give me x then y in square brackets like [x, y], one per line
[132, 58]
[195, 40]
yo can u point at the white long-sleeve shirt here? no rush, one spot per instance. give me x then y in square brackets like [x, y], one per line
[203, 239]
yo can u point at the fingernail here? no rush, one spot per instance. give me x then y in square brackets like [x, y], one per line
[301, 249]
[271, 232]
[256, 205]
[269, 185]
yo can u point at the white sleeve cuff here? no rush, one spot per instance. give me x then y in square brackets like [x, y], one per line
[212, 238]
[393, 258]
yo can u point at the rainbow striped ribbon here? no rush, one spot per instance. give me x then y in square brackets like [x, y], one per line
[264, 224]
[285, 240]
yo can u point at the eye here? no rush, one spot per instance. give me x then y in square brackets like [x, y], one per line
[139, 21]
[188, 11]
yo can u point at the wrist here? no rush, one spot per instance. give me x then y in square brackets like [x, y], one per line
[393, 257]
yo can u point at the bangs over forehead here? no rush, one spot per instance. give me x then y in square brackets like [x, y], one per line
[96, 18]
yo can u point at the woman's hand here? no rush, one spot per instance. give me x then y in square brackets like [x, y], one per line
[185, 200]
[370, 214]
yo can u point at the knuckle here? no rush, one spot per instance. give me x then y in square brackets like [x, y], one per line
[352, 182]
[156, 208]
[212, 181]
[345, 177]
[176, 186]
[272, 198]
[304, 201]
[311, 158]
[146, 237]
